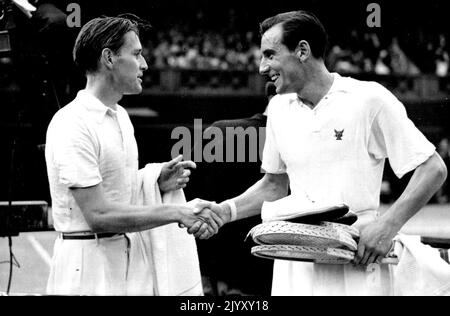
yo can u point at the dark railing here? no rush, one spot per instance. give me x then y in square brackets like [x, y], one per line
[173, 80]
[242, 82]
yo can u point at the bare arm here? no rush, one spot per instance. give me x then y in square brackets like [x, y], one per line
[270, 188]
[424, 183]
[376, 237]
[106, 216]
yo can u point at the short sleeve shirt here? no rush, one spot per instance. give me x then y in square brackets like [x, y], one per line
[337, 150]
[89, 143]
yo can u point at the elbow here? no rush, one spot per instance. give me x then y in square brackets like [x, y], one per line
[278, 186]
[95, 221]
[439, 171]
[442, 173]
[96, 227]
[280, 192]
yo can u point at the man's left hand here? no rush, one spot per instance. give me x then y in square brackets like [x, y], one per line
[175, 175]
[375, 242]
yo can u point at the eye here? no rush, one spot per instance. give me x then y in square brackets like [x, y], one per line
[269, 55]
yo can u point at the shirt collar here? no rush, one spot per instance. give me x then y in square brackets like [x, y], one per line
[94, 106]
[339, 84]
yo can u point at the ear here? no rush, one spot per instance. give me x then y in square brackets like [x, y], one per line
[303, 51]
[107, 58]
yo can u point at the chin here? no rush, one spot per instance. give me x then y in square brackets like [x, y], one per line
[280, 90]
[136, 90]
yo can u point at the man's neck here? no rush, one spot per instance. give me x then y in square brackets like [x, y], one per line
[103, 90]
[317, 85]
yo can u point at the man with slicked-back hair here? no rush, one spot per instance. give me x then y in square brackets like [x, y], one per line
[328, 137]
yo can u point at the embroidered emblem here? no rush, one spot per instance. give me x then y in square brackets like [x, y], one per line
[338, 134]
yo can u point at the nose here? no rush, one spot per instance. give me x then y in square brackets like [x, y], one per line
[144, 65]
[263, 67]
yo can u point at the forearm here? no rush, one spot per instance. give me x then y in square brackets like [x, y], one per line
[376, 237]
[118, 217]
[103, 215]
[269, 188]
[424, 183]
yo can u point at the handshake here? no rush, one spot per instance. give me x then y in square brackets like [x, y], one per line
[204, 218]
[201, 218]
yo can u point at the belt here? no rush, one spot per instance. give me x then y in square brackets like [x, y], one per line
[88, 236]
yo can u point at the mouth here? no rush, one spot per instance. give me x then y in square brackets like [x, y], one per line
[275, 77]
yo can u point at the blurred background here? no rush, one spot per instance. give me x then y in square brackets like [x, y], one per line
[203, 59]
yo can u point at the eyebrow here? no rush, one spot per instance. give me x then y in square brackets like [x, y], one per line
[268, 51]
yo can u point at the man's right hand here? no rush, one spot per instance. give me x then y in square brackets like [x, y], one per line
[212, 216]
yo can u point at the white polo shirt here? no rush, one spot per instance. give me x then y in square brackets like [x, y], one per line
[337, 150]
[89, 143]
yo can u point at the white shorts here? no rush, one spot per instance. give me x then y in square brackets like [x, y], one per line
[89, 267]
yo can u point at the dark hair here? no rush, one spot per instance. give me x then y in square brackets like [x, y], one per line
[297, 26]
[100, 33]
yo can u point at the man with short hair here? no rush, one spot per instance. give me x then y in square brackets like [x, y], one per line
[92, 163]
[328, 137]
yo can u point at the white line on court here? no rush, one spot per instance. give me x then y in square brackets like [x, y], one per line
[40, 250]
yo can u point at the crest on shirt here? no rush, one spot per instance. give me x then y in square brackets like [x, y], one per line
[338, 134]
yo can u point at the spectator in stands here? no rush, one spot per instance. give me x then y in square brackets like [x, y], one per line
[442, 57]
[381, 65]
[400, 63]
[428, 59]
[371, 47]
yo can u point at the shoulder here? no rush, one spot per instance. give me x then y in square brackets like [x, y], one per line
[370, 90]
[362, 87]
[68, 115]
[68, 123]
[373, 95]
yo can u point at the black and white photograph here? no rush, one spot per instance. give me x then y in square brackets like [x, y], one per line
[226, 152]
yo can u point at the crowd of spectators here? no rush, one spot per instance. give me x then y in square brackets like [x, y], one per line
[182, 47]
[204, 50]
[391, 55]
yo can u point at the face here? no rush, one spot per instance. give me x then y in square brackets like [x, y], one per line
[129, 65]
[279, 63]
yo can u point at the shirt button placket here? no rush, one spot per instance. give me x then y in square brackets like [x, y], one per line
[316, 123]
[119, 128]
